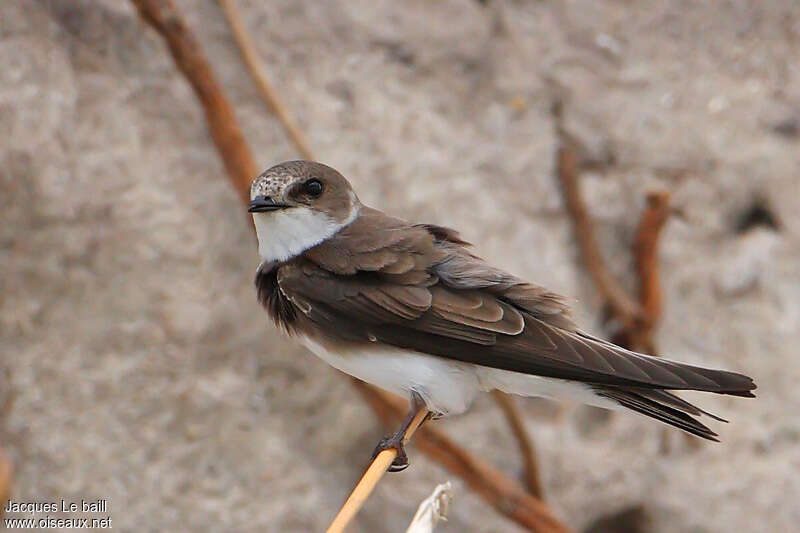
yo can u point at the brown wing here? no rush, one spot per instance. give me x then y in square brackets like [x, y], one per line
[418, 288]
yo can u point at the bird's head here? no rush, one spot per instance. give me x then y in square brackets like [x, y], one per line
[298, 204]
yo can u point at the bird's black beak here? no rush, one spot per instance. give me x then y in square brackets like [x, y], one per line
[261, 204]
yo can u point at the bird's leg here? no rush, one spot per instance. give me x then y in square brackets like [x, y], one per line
[396, 440]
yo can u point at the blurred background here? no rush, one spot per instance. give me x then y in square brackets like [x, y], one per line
[137, 366]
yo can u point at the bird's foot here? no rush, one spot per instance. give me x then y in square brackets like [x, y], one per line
[395, 441]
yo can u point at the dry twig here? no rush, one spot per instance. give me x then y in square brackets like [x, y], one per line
[6, 473]
[259, 73]
[189, 58]
[624, 307]
[505, 495]
[645, 249]
[369, 479]
[497, 489]
[638, 317]
[509, 407]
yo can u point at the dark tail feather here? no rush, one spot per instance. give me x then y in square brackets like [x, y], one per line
[663, 406]
[666, 374]
[666, 397]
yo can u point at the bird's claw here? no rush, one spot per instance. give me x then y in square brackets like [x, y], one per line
[400, 462]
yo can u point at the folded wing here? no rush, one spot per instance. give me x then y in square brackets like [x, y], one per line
[417, 287]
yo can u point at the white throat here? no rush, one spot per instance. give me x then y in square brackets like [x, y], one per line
[290, 232]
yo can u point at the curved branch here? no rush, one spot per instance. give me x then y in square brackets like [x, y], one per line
[6, 475]
[626, 309]
[508, 405]
[645, 251]
[259, 73]
[638, 316]
[189, 58]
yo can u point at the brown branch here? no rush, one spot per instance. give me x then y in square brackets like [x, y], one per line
[500, 491]
[509, 407]
[259, 73]
[638, 316]
[189, 58]
[505, 495]
[6, 474]
[626, 309]
[645, 250]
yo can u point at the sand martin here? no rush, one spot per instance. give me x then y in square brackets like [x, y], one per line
[408, 308]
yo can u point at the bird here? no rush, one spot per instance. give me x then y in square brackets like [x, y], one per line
[409, 308]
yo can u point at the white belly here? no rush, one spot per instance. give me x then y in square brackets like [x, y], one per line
[447, 386]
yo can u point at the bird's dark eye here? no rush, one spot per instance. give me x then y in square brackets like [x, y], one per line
[313, 188]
